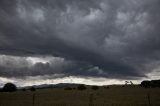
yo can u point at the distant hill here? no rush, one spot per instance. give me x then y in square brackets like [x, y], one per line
[59, 85]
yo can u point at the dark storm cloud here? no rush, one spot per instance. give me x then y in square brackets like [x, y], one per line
[108, 38]
[22, 67]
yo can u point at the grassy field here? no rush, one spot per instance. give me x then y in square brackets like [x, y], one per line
[114, 96]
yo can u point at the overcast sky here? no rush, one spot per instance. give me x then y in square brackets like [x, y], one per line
[85, 41]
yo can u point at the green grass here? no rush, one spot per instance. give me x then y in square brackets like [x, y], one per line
[114, 96]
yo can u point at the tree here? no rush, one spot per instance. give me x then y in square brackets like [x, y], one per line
[68, 88]
[23, 89]
[146, 84]
[9, 87]
[32, 89]
[95, 87]
[81, 87]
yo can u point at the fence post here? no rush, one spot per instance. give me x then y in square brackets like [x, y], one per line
[149, 99]
[33, 99]
[91, 100]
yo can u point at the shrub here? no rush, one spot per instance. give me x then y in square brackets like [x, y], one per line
[9, 87]
[146, 84]
[73, 88]
[1, 90]
[32, 89]
[81, 87]
[95, 87]
[68, 88]
[23, 89]
[106, 87]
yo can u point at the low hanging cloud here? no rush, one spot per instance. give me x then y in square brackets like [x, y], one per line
[23, 67]
[103, 38]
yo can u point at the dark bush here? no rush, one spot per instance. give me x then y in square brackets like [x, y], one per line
[81, 87]
[152, 83]
[9, 87]
[1, 90]
[68, 88]
[73, 88]
[95, 87]
[32, 89]
[23, 89]
[145, 84]
[106, 87]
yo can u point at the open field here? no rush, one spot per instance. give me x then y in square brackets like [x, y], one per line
[114, 96]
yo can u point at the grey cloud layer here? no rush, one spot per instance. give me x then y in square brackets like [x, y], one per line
[120, 39]
[22, 67]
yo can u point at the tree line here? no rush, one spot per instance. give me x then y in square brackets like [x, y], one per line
[150, 84]
[10, 87]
